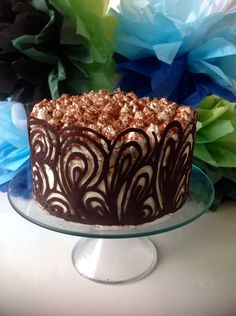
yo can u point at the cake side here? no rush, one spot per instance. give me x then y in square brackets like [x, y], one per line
[136, 176]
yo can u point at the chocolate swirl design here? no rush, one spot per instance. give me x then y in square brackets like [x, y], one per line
[81, 176]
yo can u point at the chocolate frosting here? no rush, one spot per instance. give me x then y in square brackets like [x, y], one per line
[81, 176]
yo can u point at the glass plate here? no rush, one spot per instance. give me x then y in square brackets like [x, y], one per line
[201, 194]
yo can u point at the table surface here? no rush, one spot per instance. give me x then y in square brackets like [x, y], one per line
[196, 273]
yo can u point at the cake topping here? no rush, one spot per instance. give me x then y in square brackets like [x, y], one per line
[110, 114]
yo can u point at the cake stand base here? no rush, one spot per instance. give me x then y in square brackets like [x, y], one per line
[114, 261]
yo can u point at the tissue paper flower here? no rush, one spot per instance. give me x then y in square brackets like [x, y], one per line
[216, 132]
[94, 31]
[76, 43]
[20, 75]
[215, 145]
[182, 53]
[68, 51]
[14, 146]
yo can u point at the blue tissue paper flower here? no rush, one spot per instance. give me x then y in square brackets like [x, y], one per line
[14, 146]
[182, 50]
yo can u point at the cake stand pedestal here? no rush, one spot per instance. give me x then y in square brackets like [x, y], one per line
[111, 254]
[114, 260]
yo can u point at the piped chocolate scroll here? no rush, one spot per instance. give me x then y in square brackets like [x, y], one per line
[137, 177]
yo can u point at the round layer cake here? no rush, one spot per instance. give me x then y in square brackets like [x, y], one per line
[111, 159]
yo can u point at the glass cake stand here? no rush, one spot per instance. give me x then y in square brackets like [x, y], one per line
[111, 254]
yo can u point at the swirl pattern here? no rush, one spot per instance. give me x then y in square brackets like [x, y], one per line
[81, 176]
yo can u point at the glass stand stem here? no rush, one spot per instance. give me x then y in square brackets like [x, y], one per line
[114, 260]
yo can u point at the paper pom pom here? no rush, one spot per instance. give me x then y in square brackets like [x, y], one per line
[216, 132]
[191, 49]
[215, 149]
[93, 33]
[76, 43]
[14, 147]
[20, 76]
[54, 47]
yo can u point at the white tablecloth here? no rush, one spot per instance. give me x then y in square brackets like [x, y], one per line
[195, 276]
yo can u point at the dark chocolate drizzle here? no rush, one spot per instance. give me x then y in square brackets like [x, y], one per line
[81, 176]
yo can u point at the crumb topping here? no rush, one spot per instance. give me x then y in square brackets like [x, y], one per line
[110, 114]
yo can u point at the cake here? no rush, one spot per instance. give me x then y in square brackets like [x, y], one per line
[111, 159]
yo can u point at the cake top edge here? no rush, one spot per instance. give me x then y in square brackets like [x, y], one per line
[112, 113]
